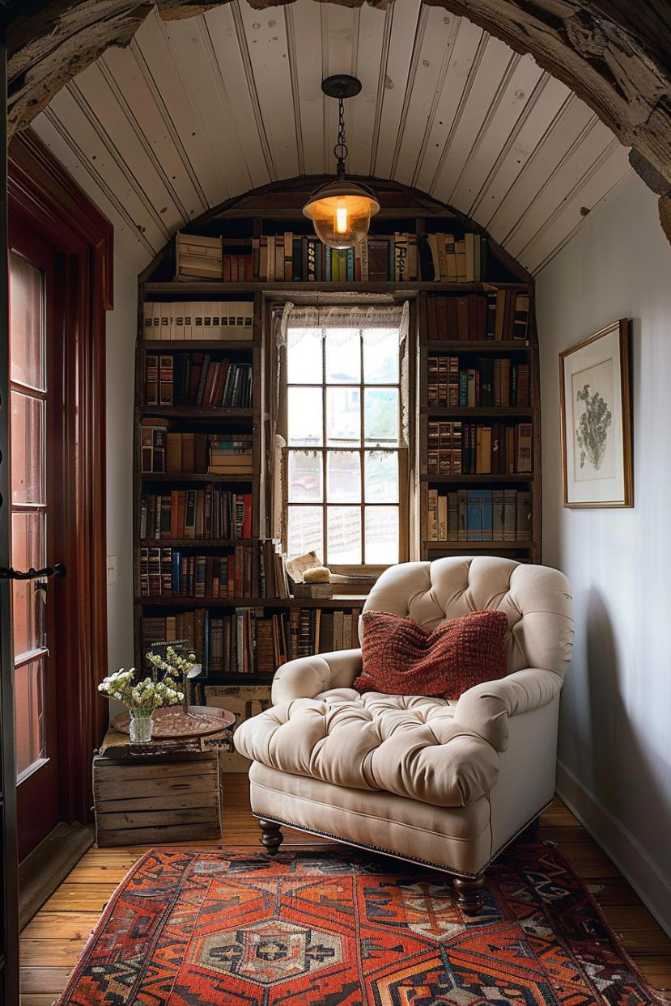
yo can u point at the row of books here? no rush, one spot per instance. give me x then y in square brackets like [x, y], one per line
[291, 257]
[497, 315]
[196, 513]
[189, 321]
[251, 569]
[162, 451]
[196, 379]
[456, 448]
[250, 641]
[492, 381]
[479, 515]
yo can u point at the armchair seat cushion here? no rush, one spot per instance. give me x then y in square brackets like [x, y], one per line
[408, 745]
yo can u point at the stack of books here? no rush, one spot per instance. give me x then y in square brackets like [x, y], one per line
[491, 381]
[196, 513]
[494, 316]
[198, 257]
[230, 454]
[191, 321]
[457, 448]
[196, 379]
[500, 515]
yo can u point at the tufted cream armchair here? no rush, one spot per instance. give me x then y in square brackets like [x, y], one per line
[432, 781]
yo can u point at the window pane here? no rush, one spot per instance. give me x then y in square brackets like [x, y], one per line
[29, 713]
[381, 534]
[27, 432]
[381, 477]
[305, 477]
[343, 417]
[343, 474]
[343, 356]
[305, 417]
[381, 417]
[380, 355]
[304, 356]
[26, 322]
[305, 530]
[344, 534]
[28, 549]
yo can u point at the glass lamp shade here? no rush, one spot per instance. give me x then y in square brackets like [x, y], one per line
[340, 212]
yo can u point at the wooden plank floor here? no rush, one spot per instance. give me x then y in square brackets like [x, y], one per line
[52, 942]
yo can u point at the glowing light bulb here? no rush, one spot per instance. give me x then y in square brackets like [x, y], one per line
[341, 220]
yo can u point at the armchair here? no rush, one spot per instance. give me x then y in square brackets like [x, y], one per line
[437, 782]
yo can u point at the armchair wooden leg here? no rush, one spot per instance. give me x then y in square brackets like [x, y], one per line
[271, 836]
[469, 894]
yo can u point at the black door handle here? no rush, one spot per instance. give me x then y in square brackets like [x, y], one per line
[9, 573]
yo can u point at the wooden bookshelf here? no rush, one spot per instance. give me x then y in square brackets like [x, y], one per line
[271, 211]
[468, 350]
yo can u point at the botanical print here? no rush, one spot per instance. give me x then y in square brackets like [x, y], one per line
[593, 427]
[593, 393]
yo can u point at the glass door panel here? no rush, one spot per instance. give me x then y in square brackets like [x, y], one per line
[29, 509]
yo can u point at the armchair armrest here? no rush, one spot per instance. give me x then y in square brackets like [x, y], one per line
[308, 676]
[486, 708]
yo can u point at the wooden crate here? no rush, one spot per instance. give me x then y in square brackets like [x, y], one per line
[152, 800]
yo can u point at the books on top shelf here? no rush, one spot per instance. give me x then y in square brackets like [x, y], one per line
[498, 315]
[196, 379]
[289, 257]
[450, 259]
[250, 641]
[191, 321]
[458, 448]
[163, 451]
[491, 381]
[248, 570]
[196, 513]
[479, 515]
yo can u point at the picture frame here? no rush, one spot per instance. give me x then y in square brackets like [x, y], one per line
[596, 419]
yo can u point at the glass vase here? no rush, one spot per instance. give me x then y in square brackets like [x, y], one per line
[141, 726]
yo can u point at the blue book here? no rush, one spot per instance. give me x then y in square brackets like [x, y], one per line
[176, 565]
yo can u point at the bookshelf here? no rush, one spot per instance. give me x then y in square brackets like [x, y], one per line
[243, 225]
[475, 503]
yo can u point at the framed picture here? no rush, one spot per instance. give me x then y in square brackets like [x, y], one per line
[596, 424]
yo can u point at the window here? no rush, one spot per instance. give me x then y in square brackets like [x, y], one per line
[345, 452]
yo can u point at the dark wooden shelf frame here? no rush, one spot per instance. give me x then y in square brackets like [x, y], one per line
[477, 412]
[269, 211]
[168, 601]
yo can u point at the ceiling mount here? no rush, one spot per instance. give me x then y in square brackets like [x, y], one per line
[341, 85]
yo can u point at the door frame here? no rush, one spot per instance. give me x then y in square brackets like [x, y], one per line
[40, 189]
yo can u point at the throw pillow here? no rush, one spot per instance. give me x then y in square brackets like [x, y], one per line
[401, 657]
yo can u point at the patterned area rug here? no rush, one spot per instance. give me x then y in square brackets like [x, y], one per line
[321, 928]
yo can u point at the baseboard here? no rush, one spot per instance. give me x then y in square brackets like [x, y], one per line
[48, 865]
[631, 859]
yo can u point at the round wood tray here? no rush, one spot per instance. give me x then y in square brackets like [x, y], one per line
[172, 721]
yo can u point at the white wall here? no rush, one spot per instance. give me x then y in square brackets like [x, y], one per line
[615, 732]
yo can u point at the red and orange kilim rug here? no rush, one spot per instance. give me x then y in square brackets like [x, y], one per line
[216, 928]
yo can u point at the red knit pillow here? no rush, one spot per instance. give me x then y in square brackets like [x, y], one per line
[401, 657]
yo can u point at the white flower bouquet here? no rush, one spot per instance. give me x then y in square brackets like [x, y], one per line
[141, 698]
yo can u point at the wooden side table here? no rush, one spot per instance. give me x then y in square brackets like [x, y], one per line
[168, 791]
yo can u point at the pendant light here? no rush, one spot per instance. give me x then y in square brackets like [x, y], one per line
[341, 210]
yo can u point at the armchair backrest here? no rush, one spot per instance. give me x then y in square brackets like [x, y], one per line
[536, 600]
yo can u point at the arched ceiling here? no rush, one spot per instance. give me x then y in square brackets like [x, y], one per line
[196, 110]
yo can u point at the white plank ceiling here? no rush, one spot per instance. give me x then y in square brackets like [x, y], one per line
[198, 110]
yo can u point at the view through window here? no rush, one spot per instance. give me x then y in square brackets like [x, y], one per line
[344, 444]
